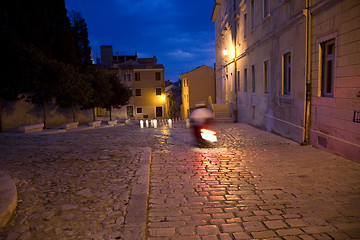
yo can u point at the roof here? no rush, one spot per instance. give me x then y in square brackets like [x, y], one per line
[202, 66]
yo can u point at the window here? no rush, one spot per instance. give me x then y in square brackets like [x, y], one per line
[266, 76]
[252, 12]
[245, 27]
[287, 73]
[158, 91]
[127, 77]
[139, 110]
[157, 76]
[137, 92]
[238, 81]
[245, 80]
[327, 66]
[137, 76]
[253, 78]
[266, 8]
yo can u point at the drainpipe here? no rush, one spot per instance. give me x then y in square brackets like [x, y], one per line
[235, 65]
[307, 107]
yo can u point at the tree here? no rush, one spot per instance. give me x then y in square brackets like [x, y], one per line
[43, 56]
[101, 90]
[80, 35]
[74, 89]
[121, 94]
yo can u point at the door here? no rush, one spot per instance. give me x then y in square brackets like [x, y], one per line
[159, 112]
[130, 111]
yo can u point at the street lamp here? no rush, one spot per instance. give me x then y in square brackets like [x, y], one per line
[162, 98]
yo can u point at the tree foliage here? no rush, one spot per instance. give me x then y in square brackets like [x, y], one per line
[46, 58]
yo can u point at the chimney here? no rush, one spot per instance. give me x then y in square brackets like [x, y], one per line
[106, 54]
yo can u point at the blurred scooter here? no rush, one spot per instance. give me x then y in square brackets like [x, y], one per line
[201, 119]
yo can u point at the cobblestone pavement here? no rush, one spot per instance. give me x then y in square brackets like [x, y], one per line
[252, 185]
[72, 185]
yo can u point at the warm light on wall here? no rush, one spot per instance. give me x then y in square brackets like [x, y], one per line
[162, 98]
[225, 52]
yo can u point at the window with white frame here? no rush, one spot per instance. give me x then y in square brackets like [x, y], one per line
[158, 91]
[245, 26]
[252, 12]
[127, 77]
[238, 81]
[139, 110]
[266, 76]
[253, 78]
[245, 80]
[266, 8]
[327, 51]
[286, 73]
[138, 92]
[137, 76]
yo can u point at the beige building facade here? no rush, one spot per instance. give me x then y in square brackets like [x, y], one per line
[197, 85]
[145, 77]
[292, 68]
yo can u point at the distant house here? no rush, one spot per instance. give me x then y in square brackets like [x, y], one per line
[197, 85]
[173, 99]
[146, 79]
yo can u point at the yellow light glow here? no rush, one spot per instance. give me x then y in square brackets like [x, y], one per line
[162, 98]
[225, 52]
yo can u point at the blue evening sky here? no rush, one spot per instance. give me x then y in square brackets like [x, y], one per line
[178, 32]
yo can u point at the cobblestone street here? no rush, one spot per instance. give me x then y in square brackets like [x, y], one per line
[252, 185]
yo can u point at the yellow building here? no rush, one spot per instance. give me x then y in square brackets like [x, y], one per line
[292, 67]
[146, 79]
[197, 86]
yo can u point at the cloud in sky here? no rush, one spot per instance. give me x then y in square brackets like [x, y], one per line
[178, 32]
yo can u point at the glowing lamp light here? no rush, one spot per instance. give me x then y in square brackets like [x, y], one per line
[225, 52]
[162, 98]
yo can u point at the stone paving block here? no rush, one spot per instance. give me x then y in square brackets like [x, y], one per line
[254, 226]
[185, 238]
[207, 230]
[216, 198]
[253, 218]
[196, 222]
[290, 231]
[260, 213]
[318, 229]
[218, 193]
[275, 224]
[164, 224]
[225, 236]
[223, 215]
[234, 220]
[201, 217]
[244, 213]
[210, 237]
[296, 222]
[162, 232]
[231, 228]
[217, 221]
[186, 231]
[263, 234]
[241, 235]
[213, 210]
[307, 237]
[274, 217]
[197, 199]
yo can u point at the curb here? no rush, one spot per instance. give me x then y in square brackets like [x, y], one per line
[135, 220]
[8, 198]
